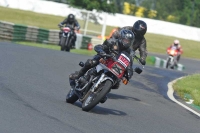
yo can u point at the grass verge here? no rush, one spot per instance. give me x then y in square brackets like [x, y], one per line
[189, 86]
[155, 43]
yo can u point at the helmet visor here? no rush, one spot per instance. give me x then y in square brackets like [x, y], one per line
[126, 41]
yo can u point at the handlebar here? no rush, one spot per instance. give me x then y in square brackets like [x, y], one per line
[72, 28]
[108, 56]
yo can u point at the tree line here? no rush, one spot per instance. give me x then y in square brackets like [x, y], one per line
[186, 12]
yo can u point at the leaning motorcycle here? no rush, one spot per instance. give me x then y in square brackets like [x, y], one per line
[96, 86]
[171, 59]
[66, 38]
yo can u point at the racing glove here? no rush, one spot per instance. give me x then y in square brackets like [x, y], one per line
[101, 53]
[142, 61]
[60, 25]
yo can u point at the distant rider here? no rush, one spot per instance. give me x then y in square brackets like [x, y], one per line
[178, 47]
[70, 21]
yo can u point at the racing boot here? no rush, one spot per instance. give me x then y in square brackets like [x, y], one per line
[74, 76]
[77, 75]
[88, 64]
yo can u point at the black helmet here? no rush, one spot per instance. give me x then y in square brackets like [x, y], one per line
[126, 38]
[71, 17]
[139, 28]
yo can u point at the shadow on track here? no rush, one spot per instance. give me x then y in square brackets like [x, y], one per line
[102, 111]
[116, 96]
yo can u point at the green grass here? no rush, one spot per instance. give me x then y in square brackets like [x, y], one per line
[189, 85]
[155, 43]
[159, 43]
[56, 47]
[41, 20]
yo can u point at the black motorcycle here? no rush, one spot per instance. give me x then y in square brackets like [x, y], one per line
[97, 82]
[66, 38]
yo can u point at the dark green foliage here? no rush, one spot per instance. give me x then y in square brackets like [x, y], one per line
[185, 12]
[99, 5]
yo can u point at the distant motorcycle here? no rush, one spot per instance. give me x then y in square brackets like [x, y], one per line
[91, 89]
[66, 38]
[171, 59]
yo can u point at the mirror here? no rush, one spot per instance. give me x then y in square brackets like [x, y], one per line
[81, 64]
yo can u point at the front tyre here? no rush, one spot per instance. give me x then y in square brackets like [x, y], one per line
[95, 97]
[168, 63]
[71, 96]
[62, 43]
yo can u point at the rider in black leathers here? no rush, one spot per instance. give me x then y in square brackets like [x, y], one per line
[71, 21]
[123, 43]
[139, 29]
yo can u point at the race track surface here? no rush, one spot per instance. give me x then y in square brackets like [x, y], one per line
[34, 83]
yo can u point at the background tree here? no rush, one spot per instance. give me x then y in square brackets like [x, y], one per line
[108, 6]
[185, 12]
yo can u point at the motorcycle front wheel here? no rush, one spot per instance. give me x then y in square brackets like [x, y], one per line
[94, 98]
[62, 43]
[168, 63]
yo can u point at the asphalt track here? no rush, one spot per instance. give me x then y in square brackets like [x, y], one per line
[34, 83]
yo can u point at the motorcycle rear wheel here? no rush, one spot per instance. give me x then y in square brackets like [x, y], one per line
[94, 98]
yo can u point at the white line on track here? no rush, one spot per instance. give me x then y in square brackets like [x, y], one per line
[171, 96]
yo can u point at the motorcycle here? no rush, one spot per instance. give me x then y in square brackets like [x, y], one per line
[66, 38]
[91, 89]
[171, 59]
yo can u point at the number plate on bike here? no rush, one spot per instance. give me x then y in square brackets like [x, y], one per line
[124, 60]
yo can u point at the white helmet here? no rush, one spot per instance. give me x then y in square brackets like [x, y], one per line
[176, 42]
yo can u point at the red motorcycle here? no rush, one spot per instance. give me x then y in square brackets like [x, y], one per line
[96, 87]
[171, 59]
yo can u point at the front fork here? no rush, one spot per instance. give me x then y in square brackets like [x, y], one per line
[101, 79]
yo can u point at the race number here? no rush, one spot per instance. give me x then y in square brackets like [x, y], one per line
[124, 60]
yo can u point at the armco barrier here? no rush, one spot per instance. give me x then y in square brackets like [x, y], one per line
[42, 35]
[158, 62]
[16, 32]
[31, 34]
[19, 32]
[6, 30]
